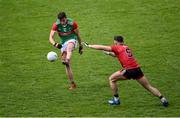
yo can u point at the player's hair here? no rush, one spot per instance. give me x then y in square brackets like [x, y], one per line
[119, 39]
[61, 15]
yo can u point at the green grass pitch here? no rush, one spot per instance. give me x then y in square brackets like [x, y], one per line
[32, 86]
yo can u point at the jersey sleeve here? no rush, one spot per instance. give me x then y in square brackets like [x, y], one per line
[75, 25]
[54, 27]
[114, 49]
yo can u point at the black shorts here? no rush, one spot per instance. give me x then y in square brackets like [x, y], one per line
[135, 73]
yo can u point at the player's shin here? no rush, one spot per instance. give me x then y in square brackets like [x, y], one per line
[114, 89]
[70, 77]
[115, 100]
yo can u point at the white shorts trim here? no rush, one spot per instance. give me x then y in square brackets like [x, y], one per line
[64, 46]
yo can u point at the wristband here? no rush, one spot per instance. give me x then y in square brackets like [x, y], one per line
[55, 44]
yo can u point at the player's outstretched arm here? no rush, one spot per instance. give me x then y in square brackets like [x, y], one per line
[106, 49]
[98, 47]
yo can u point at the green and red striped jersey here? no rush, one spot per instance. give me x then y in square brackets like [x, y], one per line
[66, 32]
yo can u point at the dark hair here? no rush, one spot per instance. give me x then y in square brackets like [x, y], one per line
[61, 15]
[119, 39]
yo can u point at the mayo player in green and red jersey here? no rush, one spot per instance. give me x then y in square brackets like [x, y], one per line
[68, 32]
[131, 69]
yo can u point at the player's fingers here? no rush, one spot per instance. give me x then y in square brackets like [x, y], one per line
[85, 44]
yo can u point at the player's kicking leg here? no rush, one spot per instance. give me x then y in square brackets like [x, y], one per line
[112, 81]
[145, 83]
[66, 61]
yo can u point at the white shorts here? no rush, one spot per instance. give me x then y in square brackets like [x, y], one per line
[64, 46]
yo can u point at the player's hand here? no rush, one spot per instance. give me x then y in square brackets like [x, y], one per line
[80, 49]
[57, 45]
[85, 44]
[106, 52]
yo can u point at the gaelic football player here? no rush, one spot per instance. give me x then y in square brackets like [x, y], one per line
[131, 69]
[68, 32]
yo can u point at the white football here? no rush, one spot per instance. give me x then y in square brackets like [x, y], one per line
[52, 56]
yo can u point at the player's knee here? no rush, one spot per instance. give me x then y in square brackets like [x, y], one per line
[111, 79]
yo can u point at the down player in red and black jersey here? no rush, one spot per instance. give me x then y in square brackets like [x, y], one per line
[131, 69]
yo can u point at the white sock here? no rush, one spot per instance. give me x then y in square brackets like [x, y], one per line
[163, 99]
[116, 99]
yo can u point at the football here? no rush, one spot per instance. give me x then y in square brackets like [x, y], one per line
[52, 56]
